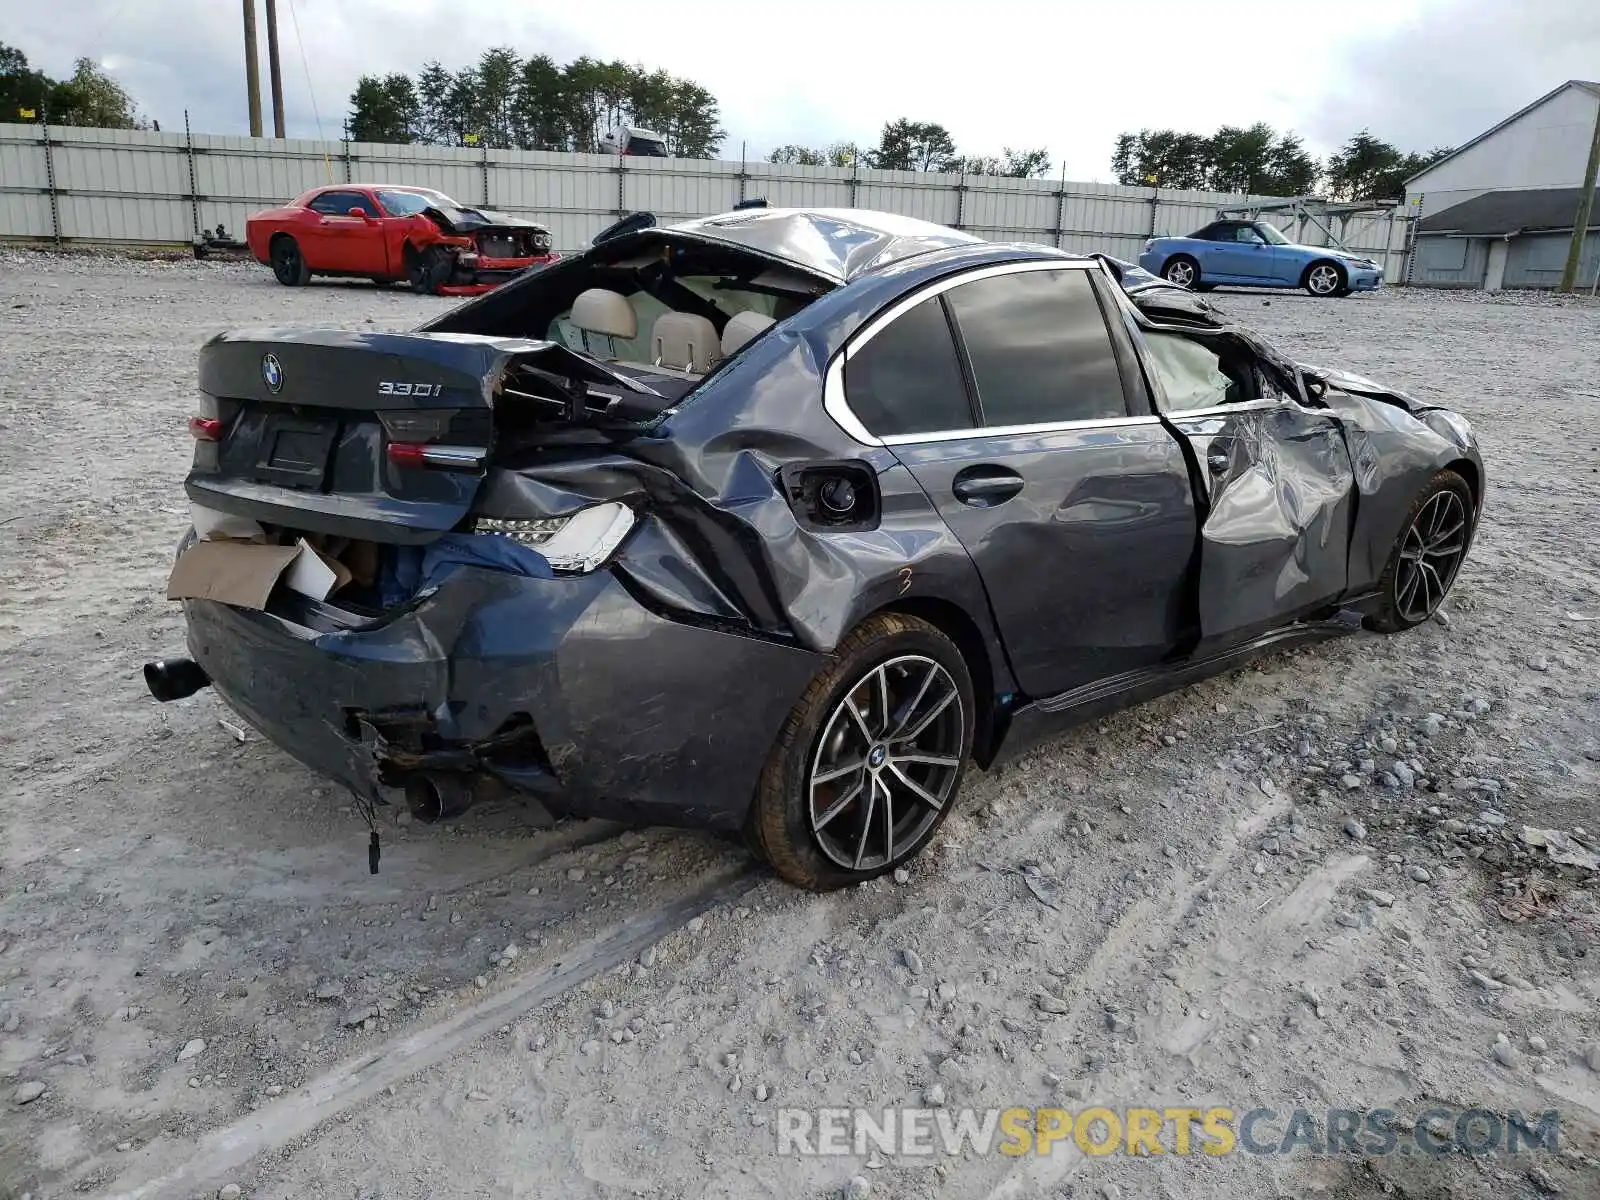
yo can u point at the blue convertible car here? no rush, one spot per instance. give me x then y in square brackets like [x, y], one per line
[1255, 254]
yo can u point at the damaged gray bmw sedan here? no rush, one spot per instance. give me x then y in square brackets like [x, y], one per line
[778, 521]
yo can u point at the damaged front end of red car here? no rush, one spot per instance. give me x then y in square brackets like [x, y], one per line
[477, 252]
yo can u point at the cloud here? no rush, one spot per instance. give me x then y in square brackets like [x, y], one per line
[1456, 69]
[1015, 73]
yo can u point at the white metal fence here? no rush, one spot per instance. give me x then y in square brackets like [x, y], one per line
[123, 186]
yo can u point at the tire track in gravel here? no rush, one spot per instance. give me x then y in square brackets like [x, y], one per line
[359, 1079]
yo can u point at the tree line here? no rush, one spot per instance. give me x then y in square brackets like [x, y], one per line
[1261, 161]
[508, 102]
[907, 145]
[89, 97]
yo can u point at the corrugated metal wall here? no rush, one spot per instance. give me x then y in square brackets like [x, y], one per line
[104, 185]
[1537, 261]
[1450, 262]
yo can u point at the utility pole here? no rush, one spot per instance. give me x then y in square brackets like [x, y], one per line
[274, 70]
[252, 67]
[1580, 224]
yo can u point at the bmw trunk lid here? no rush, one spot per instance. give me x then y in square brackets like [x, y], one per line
[383, 436]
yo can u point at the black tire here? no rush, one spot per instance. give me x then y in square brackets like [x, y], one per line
[1326, 279]
[1182, 270]
[785, 828]
[428, 270]
[1416, 579]
[288, 264]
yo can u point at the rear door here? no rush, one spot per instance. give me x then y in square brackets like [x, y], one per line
[1003, 393]
[341, 242]
[1275, 533]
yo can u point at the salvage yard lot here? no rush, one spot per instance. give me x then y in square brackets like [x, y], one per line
[1230, 919]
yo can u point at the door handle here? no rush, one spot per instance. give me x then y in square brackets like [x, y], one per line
[984, 487]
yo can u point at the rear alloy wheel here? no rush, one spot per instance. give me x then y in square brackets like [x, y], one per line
[428, 270]
[1428, 556]
[288, 264]
[1326, 279]
[870, 761]
[1184, 272]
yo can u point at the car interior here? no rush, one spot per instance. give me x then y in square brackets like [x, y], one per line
[668, 315]
[1198, 373]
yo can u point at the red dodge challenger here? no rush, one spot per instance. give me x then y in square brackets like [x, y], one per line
[389, 234]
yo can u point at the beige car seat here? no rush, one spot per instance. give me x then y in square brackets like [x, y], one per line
[741, 329]
[603, 314]
[685, 342]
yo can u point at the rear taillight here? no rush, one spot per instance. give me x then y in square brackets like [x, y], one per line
[205, 429]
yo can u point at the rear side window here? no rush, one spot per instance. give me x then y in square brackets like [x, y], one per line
[907, 378]
[1039, 348]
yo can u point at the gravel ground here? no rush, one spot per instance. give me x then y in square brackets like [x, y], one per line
[1300, 885]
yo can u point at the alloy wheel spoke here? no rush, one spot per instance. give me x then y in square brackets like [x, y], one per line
[837, 807]
[916, 789]
[928, 719]
[906, 712]
[931, 760]
[888, 824]
[833, 773]
[861, 722]
[1443, 551]
[1408, 590]
[866, 824]
[881, 677]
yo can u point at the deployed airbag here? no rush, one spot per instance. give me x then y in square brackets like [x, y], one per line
[1190, 374]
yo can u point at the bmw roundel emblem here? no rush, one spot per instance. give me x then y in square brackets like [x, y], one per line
[272, 372]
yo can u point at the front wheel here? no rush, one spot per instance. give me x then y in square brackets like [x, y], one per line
[1425, 561]
[1182, 270]
[1326, 279]
[869, 763]
[427, 271]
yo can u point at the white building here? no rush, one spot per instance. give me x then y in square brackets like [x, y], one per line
[1518, 173]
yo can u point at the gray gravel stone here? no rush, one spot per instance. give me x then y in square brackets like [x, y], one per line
[858, 1188]
[1051, 1004]
[28, 1092]
[230, 1191]
[1421, 874]
[1507, 1055]
[912, 959]
[1355, 829]
[192, 1049]
[934, 1096]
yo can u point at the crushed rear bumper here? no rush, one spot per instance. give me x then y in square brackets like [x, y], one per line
[568, 689]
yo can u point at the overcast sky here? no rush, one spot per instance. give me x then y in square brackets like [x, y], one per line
[1068, 76]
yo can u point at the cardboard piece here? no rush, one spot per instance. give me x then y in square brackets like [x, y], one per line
[209, 524]
[233, 572]
[243, 573]
[315, 574]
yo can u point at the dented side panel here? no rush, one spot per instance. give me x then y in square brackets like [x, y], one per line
[1275, 537]
[1394, 451]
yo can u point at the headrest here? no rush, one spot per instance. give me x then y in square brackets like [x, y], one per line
[600, 311]
[741, 328]
[685, 342]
